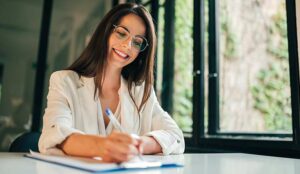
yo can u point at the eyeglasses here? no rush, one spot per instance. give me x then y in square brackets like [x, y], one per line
[139, 43]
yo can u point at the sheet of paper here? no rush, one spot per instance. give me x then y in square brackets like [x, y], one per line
[97, 165]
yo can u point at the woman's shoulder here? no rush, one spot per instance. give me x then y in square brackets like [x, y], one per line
[65, 76]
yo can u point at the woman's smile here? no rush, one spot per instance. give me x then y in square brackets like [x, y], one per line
[121, 54]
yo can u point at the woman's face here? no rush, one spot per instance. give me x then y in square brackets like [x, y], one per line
[125, 41]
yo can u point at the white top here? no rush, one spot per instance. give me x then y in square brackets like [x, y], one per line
[221, 163]
[72, 108]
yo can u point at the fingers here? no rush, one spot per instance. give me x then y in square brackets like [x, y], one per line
[122, 148]
[123, 152]
[140, 143]
[119, 147]
[124, 138]
[120, 152]
[141, 146]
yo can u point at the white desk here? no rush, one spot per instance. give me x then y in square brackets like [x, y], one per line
[11, 163]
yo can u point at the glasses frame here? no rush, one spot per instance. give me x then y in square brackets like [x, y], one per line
[132, 36]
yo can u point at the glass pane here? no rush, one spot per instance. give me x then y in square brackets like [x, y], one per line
[183, 78]
[160, 50]
[72, 25]
[20, 23]
[254, 71]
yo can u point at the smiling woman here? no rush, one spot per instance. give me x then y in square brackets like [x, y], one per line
[115, 71]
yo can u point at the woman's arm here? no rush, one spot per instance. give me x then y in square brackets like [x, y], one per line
[117, 147]
[164, 129]
[149, 145]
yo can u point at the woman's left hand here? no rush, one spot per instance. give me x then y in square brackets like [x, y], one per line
[148, 145]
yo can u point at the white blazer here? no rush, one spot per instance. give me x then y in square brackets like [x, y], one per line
[72, 108]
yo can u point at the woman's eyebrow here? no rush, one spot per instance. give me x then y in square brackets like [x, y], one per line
[129, 31]
[124, 28]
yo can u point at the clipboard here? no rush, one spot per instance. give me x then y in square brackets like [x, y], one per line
[96, 165]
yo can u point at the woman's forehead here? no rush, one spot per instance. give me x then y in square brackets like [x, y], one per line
[134, 24]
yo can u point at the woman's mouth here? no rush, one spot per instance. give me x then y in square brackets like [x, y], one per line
[121, 54]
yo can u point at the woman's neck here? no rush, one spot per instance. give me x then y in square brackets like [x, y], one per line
[112, 80]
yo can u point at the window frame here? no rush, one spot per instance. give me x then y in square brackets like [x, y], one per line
[213, 96]
[277, 144]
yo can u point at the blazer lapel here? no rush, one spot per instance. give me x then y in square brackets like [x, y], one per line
[88, 105]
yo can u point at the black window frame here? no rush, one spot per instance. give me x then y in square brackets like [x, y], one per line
[213, 98]
[214, 140]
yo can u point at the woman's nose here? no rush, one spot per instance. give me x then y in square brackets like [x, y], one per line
[127, 43]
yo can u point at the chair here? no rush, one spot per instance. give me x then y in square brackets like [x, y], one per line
[25, 142]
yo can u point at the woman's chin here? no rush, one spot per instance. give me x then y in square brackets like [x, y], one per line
[118, 62]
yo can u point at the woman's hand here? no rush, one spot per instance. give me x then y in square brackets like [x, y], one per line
[149, 145]
[118, 147]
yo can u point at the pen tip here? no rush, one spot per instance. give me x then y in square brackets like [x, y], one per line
[107, 111]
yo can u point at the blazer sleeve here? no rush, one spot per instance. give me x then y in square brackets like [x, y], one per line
[58, 119]
[165, 130]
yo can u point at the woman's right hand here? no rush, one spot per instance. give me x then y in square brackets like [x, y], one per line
[118, 147]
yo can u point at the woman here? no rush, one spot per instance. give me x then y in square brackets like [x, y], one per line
[114, 71]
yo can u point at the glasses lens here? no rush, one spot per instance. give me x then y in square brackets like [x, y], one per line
[139, 43]
[121, 33]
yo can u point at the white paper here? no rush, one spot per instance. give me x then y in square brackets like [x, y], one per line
[95, 165]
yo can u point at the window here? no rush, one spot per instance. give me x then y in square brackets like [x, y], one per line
[244, 87]
[254, 84]
[175, 60]
[253, 101]
[183, 65]
[249, 73]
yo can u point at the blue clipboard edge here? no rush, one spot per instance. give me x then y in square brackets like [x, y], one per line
[119, 168]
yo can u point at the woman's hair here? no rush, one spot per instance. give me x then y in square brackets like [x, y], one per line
[92, 62]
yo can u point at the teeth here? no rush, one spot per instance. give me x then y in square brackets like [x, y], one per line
[120, 53]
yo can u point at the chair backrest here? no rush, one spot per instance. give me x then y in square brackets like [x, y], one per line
[25, 142]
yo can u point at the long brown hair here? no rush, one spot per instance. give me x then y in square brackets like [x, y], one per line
[92, 61]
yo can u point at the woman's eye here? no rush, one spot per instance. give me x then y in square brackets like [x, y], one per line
[137, 44]
[121, 34]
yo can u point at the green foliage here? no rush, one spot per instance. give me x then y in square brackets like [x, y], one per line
[272, 92]
[183, 82]
[278, 29]
[230, 50]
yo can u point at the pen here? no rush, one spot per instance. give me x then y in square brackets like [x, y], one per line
[113, 120]
[117, 125]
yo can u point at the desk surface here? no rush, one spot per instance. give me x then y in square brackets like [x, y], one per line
[230, 163]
